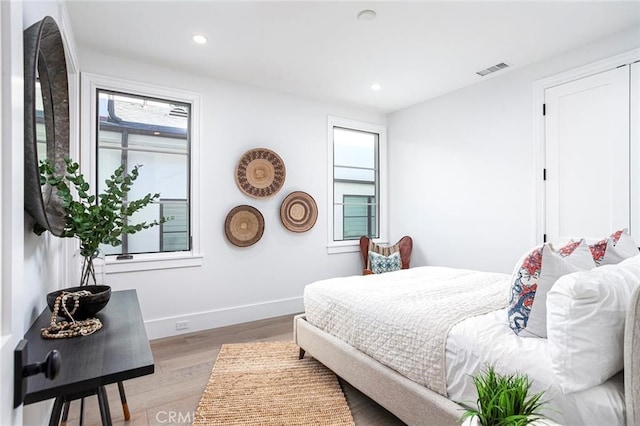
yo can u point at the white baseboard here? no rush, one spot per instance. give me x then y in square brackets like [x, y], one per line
[165, 327]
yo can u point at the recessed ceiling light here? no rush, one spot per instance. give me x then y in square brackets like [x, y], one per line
[376, 86]
[366, 15]
[199, 38]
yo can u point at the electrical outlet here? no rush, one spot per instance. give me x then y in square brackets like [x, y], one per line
[182, 325]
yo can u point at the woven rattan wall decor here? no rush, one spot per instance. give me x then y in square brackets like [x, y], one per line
[298, 212]
[244, 226]
[260, 173]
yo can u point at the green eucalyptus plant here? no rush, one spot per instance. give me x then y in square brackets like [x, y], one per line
[504, 400]
[96, 220]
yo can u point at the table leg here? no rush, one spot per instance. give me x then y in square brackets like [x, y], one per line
[65, 413]
[123, 400]
[56, 411]
[103, 402]
[81, 412]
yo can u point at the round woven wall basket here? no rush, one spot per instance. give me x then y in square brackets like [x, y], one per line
[244, 226]
[298, 212]
[260, 173]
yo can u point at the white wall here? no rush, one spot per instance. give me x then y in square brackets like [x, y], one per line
[462, 166]
[240, 284]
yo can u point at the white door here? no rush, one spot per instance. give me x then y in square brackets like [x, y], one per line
[635, 152]
[587, 156]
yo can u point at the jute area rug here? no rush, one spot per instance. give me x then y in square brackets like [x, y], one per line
[264, 383]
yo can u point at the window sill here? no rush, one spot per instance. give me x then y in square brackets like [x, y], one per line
[150, 262]
[350, 246]
[337, 247]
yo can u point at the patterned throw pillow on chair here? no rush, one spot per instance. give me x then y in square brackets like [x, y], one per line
[380, 263]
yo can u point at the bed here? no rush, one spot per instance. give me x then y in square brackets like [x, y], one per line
[410, 340]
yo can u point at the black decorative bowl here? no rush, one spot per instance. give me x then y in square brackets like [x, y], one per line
[88, 305]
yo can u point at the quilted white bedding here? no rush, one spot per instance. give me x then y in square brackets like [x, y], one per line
[402, 319]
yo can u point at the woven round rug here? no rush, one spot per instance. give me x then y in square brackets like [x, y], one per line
[244, 226]
[260, 173]
[264, 383]
[298, 212]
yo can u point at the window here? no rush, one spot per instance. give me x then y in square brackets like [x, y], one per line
[134, 123]
[357, 153]
[174, 234]
[359, 217]
[152, 132]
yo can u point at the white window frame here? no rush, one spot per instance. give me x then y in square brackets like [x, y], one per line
[353, 245]
[90, 83]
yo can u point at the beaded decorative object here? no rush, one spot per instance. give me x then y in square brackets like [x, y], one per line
[64, 329]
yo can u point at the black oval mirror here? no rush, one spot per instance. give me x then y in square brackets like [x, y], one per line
[46, 120]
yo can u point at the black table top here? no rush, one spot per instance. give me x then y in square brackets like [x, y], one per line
[117, 352]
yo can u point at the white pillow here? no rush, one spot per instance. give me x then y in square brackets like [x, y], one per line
[614, 249]
[586, 314]
[533, 277]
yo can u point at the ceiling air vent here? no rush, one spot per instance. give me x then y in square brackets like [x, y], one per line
[492, 69]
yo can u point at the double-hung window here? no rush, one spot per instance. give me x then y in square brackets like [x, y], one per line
[357, 183]
[138, 124]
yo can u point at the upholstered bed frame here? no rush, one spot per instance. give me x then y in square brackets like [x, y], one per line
[417, 405]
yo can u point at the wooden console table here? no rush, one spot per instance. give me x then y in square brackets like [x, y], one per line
[118, 352]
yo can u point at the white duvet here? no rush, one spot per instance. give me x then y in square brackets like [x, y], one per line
[487, 339]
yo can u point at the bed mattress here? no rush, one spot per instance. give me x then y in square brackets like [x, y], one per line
[487, 339]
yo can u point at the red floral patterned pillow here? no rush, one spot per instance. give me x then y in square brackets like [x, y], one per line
[532, 279]
[614, 249]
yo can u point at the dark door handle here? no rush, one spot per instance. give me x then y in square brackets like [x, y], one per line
[50, 367]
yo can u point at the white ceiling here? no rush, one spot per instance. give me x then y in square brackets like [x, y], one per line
[318, 49]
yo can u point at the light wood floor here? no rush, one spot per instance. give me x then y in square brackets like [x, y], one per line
[182, 368]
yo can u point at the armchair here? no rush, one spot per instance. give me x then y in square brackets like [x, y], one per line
[404, 246]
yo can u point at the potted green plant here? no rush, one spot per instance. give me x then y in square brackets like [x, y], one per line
[503, 400]
[94, 220]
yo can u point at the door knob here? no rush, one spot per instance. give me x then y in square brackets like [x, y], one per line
[50, 367]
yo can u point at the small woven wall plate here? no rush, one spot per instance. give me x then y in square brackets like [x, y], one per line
[244, 226]
[260, 173]
[298, 212]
